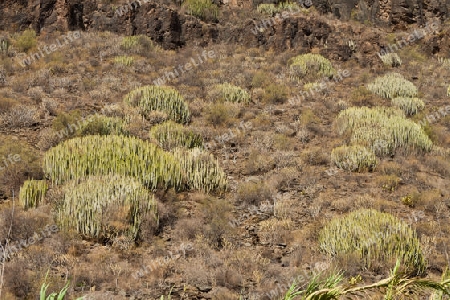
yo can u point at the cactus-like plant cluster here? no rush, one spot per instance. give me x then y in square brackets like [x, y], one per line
[311, 64]
[129, 42]
[391, 59]
[272, 9]
[150, 98]
[124, 60]
[354, 158]
[170, 135]
[202, 8]
[105, 206]
[32, 193]
[112, 154]
[103, 125]
[371, 126]
[230, 93]
[393, 85]
[410, 106]
[4, 45]
[201, 170]
[373, 236]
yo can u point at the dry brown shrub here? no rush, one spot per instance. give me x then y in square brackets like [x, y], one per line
[47, 139]
[253, 193]
[316, 156]
[19, 116]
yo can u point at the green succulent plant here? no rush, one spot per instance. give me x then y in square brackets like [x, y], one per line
[170, 135]
[126, 61]
[354, 158]
[112, 154]
[231, 93]
[393, 85]
[410, 106]
[391, 60]
[311, 64]
[105, 206]
[165, 99]
[384, 130]
[373, 236]
[202, 8]
[32, 193]
[201, 170]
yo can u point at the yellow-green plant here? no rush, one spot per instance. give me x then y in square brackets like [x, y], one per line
[230, 93]
[166, 99]
[202, 9]
[27, 40]
[391, 60]
[397, 286]
[311, 64]
[170, 135]
[354, 158]
[32, 193]
[201, 170]
[373, 236]
[272, 9]
[382, 129]
[124, 60]
[137, 44]
[129, 42]
[410, 106]
[102, 125]
[105, 206]
[393, 85]
[448, 91]
[112, 154]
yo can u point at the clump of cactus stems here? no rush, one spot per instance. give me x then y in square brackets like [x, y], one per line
[201, 170]
[410, 106]
[170, 135]
[103, 155]
[231, 93]
[272, 9]
[373, 237]
[393, 85]
[128, 156]
[105, 206]
[124, 60]
[166, 99]
[311, 64]
[371, 127]
[391, 60]
[32, 193]
[354, 158]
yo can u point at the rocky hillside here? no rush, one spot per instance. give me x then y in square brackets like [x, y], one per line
[152, 149]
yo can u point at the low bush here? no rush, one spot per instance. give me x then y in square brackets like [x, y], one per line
[393, 85]
[153, 98]
[32, 193]
[391, 60]
[384, 130]
[170, 135]
[311, 64]
[227, 92]
[202, 9]
[105, 207]
[354, 158]
[373, 237]
[410, 106]
[26, 40]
